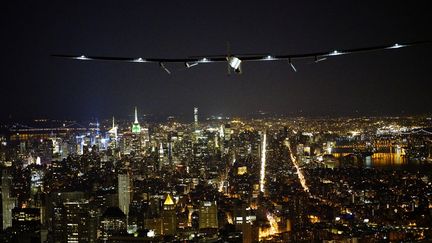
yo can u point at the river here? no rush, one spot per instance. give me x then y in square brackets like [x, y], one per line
[390, 161]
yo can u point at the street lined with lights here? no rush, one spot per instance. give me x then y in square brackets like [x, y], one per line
[263, 162]
[298, 169]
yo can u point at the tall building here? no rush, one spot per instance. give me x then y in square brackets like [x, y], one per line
[27, 222]
[169, 216]
[124, 192]
[8, 203]
[163, 160]
[57, 218]
[244, 219]
[136, 128]
[208, 218]
[68, 214]
[75, 220]
[196, 117]
[113, 222]
[113, 135]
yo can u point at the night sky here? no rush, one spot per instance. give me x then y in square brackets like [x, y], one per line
[35, 85]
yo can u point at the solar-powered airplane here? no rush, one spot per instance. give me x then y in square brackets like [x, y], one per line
[234, 62]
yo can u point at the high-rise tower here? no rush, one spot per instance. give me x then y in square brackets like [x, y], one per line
[208, 215]
[124, 192]
[136, 128]
[75, 221]
[169, 216]
[162, 157]
[196, 117]
[113, 133]
[8, 203]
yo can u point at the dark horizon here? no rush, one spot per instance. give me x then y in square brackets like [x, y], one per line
[36, 85]
[160, 118]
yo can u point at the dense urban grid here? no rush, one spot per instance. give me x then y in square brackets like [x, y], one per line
[217, 179]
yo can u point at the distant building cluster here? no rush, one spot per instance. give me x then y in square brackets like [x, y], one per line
[217, 179]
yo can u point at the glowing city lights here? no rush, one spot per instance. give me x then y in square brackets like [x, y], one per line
[298, 169]
[263, 162]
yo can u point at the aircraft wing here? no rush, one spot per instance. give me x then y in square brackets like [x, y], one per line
[235, 60]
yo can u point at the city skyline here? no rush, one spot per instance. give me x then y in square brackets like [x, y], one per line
[215, 121]
[235, 180]
[204, 116]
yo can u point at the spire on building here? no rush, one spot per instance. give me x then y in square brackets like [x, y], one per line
[136, 128]
[113, 129]
[136, 115]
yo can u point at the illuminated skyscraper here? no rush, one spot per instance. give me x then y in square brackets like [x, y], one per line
[71, 221]
[124, 192]
[113, 135]
[208, 215]
[27, 221]
[113, 222]
[8, 203]
[75, 221]
[136, 128]
[162, 158]
[196, 117]
[169, 216]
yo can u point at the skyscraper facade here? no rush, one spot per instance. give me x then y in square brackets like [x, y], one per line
[8, 203]
[196, 117]
[169, 216]
[124, 192]
[208, 215]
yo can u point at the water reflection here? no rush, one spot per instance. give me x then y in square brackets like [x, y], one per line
[380, 159]
[388, 159]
